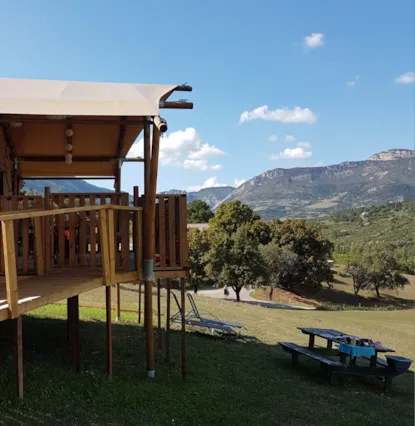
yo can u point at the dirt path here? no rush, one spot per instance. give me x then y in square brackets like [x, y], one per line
[245, 297]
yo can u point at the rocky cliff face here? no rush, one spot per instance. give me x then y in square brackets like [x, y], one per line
[318, 191]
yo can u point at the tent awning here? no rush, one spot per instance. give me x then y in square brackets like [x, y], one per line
[105, 118]
[76, 98]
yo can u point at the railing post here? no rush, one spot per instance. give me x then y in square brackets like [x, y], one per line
[111, 243]
[139, 242]
[38, 246]
[106, 269]
[49, 235]
[10, 268]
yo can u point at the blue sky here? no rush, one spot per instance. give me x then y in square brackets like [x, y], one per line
[238, 56]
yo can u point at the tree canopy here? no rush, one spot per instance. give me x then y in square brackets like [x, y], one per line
[198, 211]
[282, 266]
[311, 247]
[230, 216]
[198, 247]
[234, 260]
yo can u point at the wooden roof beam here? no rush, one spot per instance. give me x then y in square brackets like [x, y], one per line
[176, 105]
[183, 88]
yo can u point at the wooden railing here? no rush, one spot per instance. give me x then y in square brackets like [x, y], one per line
[23, 230]
[107, 239]
[73, 239]
[171, 232]
[76, 236]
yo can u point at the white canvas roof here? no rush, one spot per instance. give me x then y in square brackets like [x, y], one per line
[75, 98]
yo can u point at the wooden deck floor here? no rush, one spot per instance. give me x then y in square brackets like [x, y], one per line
[37, 291]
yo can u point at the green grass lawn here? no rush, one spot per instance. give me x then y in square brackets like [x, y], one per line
[341, 295]
[245, 381]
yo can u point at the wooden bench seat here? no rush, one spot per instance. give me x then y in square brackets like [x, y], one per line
[296, 350]
[379, 361]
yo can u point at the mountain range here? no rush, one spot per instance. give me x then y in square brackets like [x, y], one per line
[304, 192]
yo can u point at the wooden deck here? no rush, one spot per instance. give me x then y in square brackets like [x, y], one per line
[59, 284]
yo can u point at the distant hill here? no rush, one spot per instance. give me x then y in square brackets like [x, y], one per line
[357, 229]
[319, 191]
[212, 196]
[64, 185]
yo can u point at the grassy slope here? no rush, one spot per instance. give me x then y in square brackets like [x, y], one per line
[243, 382]
[342, 293]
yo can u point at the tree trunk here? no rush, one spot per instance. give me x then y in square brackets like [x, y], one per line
[377, 291]
[237, 290]
[195, 288]
[271, 291]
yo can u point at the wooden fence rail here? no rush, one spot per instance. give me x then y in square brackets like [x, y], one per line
[73, 239]
[106, 218]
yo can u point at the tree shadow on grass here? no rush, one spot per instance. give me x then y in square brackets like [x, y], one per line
[219, 372]
[328, 296]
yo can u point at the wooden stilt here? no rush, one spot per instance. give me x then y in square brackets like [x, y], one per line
[159, 315]
[73, 332]
[108, 331]
[118, 302]
[69, 325]
[139, 302]
[149, 238]
[18, 355]
[183, 325]
[167, 344]
[117, 184]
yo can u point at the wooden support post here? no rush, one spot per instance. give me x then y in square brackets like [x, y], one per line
[111, 258]
[118, 302]
[117, 185]
[139, 247]
[149, 238]
[108, 331]
[10, 268]
[183, 324]
[38, 245]
[73, 332]
[105, 256]
[167, 343]
[159, 315]
[48, 235]
[139, 302]
[18, 355]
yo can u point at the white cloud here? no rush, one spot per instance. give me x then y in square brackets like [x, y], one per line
[313, 40]
[407, 78]
[201, 165]
[303, 144]
[238, 182]
[216, 167]
[183, 148]
[211, 182]
[283, 115]
[289, 138]
[353, 82]
[291, 154]
[205, 151]
[273, 138]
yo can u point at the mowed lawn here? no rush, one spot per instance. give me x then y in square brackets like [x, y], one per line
[245, 381]
[342, 293]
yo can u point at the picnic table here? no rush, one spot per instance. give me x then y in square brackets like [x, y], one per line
[336, 337]
[377, 366]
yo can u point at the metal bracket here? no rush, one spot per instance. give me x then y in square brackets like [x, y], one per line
[148, 272]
